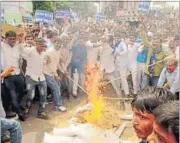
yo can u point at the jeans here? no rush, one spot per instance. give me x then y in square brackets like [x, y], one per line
[148, 80]
[64, 81]
[14, 128]
[55, 86]
[15, 86]
[42, 86]
[6, 98]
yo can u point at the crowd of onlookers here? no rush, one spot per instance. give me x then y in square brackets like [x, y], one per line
[48, 62]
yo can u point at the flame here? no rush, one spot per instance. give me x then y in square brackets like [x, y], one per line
[95, 97]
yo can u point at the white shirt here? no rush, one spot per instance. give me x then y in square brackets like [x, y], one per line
[121, 56]
[92, 53]
[172, 79]
[52, 67]
[11, 57]
[177, 52]
[107, 59]
[35, 61]
[132, 53]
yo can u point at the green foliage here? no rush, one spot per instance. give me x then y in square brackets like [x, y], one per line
[79, 7]
[43, 5]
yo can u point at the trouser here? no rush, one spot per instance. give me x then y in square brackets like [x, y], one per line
[15, 86]
[70, 83]
[140, 73]
[124, 82]
[118, 81]
[6, 98]
[149, 80]
[133, 70]
[78, 78]
[115, 84]
[177, 95]
[55, 87]
[64, 81]
[13, 127]
[42, 86]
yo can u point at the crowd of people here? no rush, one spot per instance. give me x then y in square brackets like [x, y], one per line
[48, 62]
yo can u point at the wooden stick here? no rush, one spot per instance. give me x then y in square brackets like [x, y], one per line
[121, 129]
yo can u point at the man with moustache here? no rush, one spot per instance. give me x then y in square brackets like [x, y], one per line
[171, 74]
[143, 105]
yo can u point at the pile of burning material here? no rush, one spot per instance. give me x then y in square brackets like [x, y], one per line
[110, 118]
[93, 123]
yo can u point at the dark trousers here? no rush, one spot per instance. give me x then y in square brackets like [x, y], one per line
[177, 95]
[15, 87]
[6, 98]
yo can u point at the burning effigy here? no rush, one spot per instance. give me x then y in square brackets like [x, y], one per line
[95, 122]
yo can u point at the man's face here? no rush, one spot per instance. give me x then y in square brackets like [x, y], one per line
[127, 41]
[11, 41]
[142, 123]
[40, 47]
[20, 37]
[171, 44]
[29, 40]
[171, 67]
[160, 135]
[36, 33]
[132, 39]
[156, 43]
[177, 42]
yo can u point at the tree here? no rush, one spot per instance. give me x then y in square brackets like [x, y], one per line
[43, 5]
[78, 7]
[82, 8]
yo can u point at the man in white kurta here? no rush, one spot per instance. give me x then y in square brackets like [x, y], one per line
[121, 62]
[107, 64]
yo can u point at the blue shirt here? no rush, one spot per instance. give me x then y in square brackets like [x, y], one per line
[142, 56]
[79, 57]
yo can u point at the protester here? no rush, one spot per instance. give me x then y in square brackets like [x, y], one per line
[58, 56]
[78, 63]
[143, 105]
[153, 66]
[35, 33]
[132, 63]
[51, 37]
[65, 52]
[121, 62]
[166, 125]
[29, 43]
[6, 124]
[14, 82]
[35, 76]
[107, 65]
[170, 73]
[52, 58]
[176, 40]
